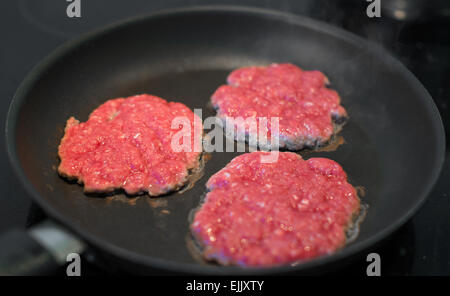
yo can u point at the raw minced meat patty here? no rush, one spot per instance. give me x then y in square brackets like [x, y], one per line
[309, 113]
[126, 144]
[263, 214]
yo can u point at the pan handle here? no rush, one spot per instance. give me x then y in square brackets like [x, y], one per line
[40, 250]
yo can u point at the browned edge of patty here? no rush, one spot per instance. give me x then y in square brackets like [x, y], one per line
[312, 144]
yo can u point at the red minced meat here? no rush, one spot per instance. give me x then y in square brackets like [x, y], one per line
[309, 113]
[126, 144]
[265, 214]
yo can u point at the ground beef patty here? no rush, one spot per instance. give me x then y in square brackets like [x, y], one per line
[261, 214]
[126, 144]
[309, 113]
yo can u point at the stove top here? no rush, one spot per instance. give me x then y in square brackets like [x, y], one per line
[416, 34]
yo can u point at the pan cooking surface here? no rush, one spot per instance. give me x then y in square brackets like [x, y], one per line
[393, 140]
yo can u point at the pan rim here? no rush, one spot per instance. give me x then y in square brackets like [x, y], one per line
[142, 260]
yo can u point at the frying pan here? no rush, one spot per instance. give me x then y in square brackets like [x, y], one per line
[394, 140]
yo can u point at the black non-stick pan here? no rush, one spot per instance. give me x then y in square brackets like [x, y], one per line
[394, 139]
